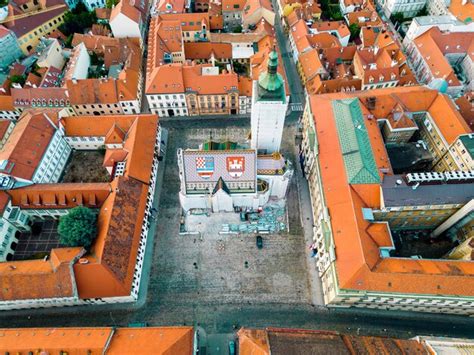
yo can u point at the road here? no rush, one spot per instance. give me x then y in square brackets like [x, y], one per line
[294, 82]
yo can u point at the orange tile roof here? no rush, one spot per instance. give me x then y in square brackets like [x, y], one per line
[338, 26]
[466, 104]
[323, 40]
[299, 31]
[253, 342]
[27, 144]
[54, 340]
[208, 84]
[205, 50]
[157, 341]
[175, 6]
[59, 196]
[140, 143]
[93, 126]
[130, 9]
[165, 36]
[6, 103]
[136, 132]
[99, 340]
[433, 45]
[103, 13]
[245, 86]
[364, 18]
[462, 10]
[264, 28]
[189, 21]
[233, 5]
[37, 278]
[114, 135]
[111, 262]
[369, 64]
[251, 6]
[125, 51]
[358, 263]
[447, 118]
[4, 125]
[319, 86]
[165, 79]
[301, 341]
[311, 64]
[111, 265]
[216, 21]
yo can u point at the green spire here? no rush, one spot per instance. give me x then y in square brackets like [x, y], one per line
[273, 62]
[270, 82]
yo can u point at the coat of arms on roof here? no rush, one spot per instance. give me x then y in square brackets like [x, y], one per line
[235, 166]
[205, 167]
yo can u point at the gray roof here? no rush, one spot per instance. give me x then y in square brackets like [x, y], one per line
[443, 194]
[436, 20]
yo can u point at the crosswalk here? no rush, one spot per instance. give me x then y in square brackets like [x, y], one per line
[297, 106]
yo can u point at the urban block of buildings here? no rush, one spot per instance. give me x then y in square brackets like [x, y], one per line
[191, 71]
[300, 341]
[98, 76]
[187, 341]
[326, 62]
[33, 160]
[442, 55]
[359, 203]
[32, 20]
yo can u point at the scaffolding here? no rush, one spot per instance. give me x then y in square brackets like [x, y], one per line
[271, 219]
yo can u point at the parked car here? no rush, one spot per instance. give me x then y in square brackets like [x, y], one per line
[259, 242]
[231, 347]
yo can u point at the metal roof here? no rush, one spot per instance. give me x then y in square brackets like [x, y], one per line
[440, 194]
[355, 143]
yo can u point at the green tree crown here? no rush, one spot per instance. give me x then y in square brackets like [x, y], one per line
[78, 227]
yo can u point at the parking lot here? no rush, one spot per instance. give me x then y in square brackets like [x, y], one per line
[209, 267]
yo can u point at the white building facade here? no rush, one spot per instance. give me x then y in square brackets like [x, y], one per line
[409, 8]
[269, 106]
[168, 105]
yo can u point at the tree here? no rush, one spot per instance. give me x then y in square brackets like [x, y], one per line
[77, 20]
[397, 17]
[111, 3]
[422, 12]
[237, 29]
[355, 31]
[17, 79]
[78, 228]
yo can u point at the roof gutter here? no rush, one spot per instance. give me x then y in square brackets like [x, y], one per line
[109, 340]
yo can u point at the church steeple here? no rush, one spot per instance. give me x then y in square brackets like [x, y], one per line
[270, 82]
[273, 62]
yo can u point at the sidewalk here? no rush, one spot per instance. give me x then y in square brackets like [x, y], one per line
[307, 223]
[150, 244]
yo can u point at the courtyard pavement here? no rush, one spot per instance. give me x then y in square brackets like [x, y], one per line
[30, 244]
